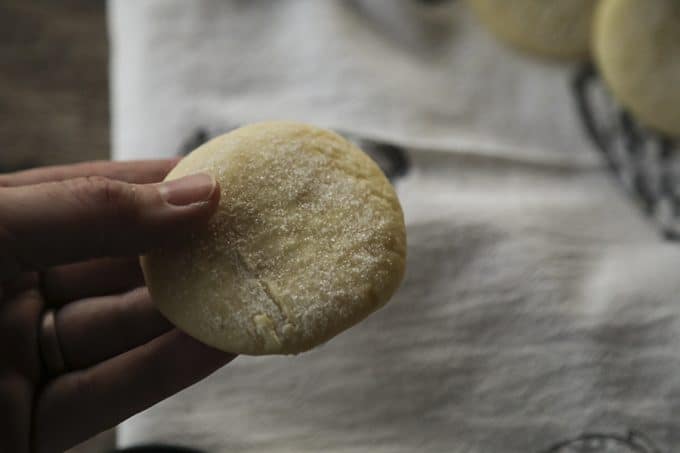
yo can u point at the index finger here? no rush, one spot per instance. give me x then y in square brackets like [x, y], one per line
[138, 172]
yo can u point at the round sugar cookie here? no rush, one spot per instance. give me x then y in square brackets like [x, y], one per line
[637, 48]
[308, 239]
[553, 28]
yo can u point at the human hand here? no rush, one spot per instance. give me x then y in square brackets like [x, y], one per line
[81, 346]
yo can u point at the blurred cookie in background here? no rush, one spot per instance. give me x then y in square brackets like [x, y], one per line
[637, 50]
[555, 28]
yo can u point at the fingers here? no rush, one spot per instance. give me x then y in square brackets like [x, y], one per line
[68, 221]
[139, 172]
[80, 404]
[98, 277]
[15, 393]
[93, 330]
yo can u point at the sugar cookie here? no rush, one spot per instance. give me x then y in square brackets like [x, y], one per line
[555, 28]
[637, 48]
[308, 240]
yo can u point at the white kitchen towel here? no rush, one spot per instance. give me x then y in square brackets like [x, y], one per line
[538, 313]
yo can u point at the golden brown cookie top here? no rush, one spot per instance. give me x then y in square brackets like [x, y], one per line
[554, 28]
[308, 239]
[637, 48]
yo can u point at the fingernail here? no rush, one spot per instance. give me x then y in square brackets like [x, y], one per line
[188, 190]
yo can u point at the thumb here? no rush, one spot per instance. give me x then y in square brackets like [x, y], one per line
[66, 221]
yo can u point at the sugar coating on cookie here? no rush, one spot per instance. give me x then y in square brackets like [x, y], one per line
[308, 239]
[554, 28]
[637, 49]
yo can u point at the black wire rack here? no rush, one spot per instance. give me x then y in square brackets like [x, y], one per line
[646, 163]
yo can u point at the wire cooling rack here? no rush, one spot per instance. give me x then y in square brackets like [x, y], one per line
[646, 163]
